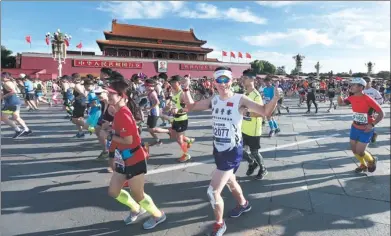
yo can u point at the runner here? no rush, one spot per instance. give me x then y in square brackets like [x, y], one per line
[252, 129]
[132, 166]
[227, 110]
[281, 101]
[179, 125]
[373, 93]
[311, 97]
[79, 105]
[268, 93]
[363, 123]
[153, 112]
[331, 87]
[322, 90]
[12, 106]
[30, 94]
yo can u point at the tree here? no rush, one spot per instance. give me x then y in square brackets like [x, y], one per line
[281, 70]
[359, 74]
[383, 74]
[7, 61]
[263, 67]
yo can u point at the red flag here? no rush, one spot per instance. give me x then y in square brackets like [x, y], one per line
[248, 55]
[233, 55]
[80, 45]
[28, 39]
[240, 55]
[230, 104]
[47, 40]
[225, 54]
[66, 42]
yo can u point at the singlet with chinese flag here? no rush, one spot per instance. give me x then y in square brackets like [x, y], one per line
[252, 126]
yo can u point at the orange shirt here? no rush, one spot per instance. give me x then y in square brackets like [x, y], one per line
[323, 85]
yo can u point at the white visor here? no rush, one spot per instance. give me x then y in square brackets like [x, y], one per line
[225, 73]
[358, 80]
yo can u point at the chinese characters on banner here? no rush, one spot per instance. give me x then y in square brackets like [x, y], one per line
[197, 67]
[110, 64]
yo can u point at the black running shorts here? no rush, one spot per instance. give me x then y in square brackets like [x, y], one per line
[180, 126]
[254, 142]
[134, 170]
[152, 121]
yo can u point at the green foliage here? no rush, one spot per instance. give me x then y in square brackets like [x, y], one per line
[383, 74]
[7, 60]
[359, 74]
[263, 67]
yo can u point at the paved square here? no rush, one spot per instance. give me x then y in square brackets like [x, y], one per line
[51, 184]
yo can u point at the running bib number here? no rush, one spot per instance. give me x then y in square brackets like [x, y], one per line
[360, 118]
[119, 163]
[222, 132]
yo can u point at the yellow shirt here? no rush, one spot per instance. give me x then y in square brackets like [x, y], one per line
[180, 116]
[252, 126]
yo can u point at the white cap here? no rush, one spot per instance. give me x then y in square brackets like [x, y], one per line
[220, 73]
[22, 75]
[358, 80]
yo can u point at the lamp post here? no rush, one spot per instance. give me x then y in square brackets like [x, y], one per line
[298, 61]
[369, 66]
[60, 42]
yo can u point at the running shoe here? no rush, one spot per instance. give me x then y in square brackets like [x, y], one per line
[153, 221]
[307, 112]
[163, 124]
[361, 169]
[272, 133]
[18, 133]
[372, 166]
[219, 229]
[190, 142]
[133, 216]
[27, 133]
[277, 130]
[102, 156]
[328, 110]
[335, 107]
[239, 210]
[251, 168]
[184, 158]
[261, 174]
[80, 135]
[287, 109]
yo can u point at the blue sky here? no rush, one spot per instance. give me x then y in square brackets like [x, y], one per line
[340, 35]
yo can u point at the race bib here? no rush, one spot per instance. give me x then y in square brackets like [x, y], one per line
[360, 118]
[119, 163]
[222, 133]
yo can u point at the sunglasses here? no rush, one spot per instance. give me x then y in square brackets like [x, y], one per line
[222, 80]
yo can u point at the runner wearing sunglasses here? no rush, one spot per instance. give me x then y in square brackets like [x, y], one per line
[227, 110]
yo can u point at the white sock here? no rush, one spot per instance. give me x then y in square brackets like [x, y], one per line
[17, 129]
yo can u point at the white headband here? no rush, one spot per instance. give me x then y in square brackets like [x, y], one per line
[220, 73]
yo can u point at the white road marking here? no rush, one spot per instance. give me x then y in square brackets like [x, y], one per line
[202, 121]
[191, 164]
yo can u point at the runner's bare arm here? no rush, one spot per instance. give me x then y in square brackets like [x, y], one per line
[341, 102]
[263, 110]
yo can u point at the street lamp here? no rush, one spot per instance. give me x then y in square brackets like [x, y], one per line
[60, 42]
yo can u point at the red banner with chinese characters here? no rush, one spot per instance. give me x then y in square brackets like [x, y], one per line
[197, 67]
[109, 64]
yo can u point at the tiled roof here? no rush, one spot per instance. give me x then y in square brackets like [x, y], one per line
[137, 31]
[152, 46]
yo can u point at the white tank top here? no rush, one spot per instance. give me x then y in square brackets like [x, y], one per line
[227, 123]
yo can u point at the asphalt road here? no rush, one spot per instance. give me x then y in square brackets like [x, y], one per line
[51, 184]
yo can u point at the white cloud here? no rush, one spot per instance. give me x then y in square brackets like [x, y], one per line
[157, 10]
[300, 37]
[277, 4]
[140, 9]
[209, 11]
[89, 30]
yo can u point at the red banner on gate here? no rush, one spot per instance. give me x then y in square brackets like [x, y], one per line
[109, 64]
[197, 67]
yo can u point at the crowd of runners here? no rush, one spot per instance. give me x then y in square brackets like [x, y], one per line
[116, 109]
